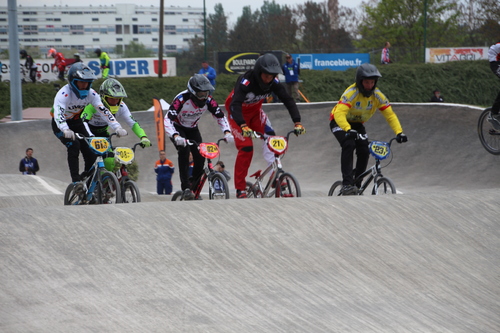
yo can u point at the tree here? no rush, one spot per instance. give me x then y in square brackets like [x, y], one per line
[480, 21]
[245, 34]
[401, 22]
[137, 50]
[217, 35]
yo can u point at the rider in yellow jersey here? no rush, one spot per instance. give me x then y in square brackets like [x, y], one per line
[356, 105]
[104, 60]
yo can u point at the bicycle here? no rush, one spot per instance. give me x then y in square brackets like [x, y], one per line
[381, 185]
[217, 183]
[99, 185]
[489, 134]
[125, 156]
[280, 184]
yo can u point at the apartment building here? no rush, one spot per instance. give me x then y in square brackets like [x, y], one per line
[104, 26]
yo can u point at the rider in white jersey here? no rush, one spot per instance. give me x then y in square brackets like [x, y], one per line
[181, 123]
[494, 58]
[69, 103]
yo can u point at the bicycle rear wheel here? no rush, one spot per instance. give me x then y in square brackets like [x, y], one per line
[130, 192]
[218, 189]
[287, 186]
[111, 191]
[488, 135]
[384, 186]
[335, 189]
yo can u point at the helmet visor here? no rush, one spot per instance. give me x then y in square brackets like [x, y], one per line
[202, 95]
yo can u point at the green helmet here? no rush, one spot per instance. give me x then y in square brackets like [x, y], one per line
[111, 88]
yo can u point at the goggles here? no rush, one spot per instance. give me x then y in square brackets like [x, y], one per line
[202, 94]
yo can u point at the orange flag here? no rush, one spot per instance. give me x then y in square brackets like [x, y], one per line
[160, 129]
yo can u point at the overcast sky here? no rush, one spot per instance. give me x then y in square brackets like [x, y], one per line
[232, 7]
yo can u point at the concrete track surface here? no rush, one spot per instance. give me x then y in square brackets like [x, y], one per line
[425, 260]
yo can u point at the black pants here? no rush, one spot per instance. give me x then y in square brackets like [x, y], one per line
[347, 155]
[183, 157]
[495, 68]
[74, 148]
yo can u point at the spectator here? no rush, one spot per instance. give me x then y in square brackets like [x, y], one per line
[385, 58]
[191, 165]
[164, 169]
[60, 62]
[220, 167]
[30, 65]
[29, 164]
[104, 59]
[436, 97]
[291, 69]
[208, 71]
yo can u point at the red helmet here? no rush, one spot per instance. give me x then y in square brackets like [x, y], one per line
[52, 52]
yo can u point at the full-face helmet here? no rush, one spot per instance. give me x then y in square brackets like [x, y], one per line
[52, 52]
[80, 72]
[367, 71]
[23, 53]
[268, 64]
[200, 88]
[98, 52]
[113, 89]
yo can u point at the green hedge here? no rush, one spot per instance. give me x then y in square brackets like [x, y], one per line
[467, 82]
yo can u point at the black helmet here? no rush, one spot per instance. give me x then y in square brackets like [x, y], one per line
[80, 72]
[269, 64]
[366, 71]
[23, 53]
[200, 88]
[97, 51]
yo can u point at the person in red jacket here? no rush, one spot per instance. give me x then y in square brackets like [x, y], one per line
[244, 106]
[60, 62]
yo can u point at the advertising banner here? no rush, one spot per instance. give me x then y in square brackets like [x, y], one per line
[332, 61]
[240, 62]
[440, 55]
[118, 68]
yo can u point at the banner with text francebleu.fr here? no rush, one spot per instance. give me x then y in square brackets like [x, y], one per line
[332, 61]
[119, 68]
[445, 54]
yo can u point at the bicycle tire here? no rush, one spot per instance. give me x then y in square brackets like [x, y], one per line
[287, 186]
[71, 197]
[218, 189]
[335, 189]
[384, 186]
[177, 195]
[488, 135]
[250, 189]
[130, 192]
[109, 191]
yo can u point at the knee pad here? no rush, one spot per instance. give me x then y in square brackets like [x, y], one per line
[247, 149]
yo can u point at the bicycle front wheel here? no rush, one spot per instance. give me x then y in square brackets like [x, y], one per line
[218, 188]
[110, 191]
[287, 186]
[488, 135]
[335, 189]
[250, 189]
[74, 194]
[130, 192]
[177, 196]
[384, 186]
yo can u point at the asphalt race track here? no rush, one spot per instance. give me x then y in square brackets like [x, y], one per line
[425, 260]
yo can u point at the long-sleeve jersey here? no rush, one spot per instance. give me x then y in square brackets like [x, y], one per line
[494, 52]
[59, 61]
[353, 107]
[164, 169]
[186, 113]
[29, 63]
[247, 98]
[68, 106]
[96, 119]
[104, 59]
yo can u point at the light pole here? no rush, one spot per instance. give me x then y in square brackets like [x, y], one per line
[204, 31]
[160, 46]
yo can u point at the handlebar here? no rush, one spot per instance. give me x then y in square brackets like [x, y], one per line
[193, 142]
[264, 136]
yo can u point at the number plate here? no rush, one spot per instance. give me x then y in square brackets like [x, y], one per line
[277, 144]
[124, 155]
[380, 149]
[99, 145]
[208, 150]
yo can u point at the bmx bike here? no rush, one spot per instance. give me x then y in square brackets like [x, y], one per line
[380, 150]
[489, 134]
[217, 183]
[99, 185]
[279, 184]
[124, 156]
